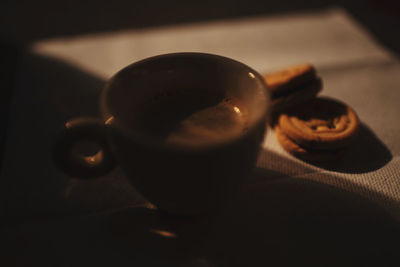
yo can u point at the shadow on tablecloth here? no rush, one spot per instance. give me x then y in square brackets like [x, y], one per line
[280, 222]
[273, 166]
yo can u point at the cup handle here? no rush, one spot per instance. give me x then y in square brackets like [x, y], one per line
[68, 160]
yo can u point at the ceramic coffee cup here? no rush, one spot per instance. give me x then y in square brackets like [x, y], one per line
[186, 129]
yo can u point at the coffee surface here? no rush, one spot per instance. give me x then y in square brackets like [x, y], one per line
[193, 119]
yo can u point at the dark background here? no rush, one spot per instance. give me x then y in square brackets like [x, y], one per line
[23, 22]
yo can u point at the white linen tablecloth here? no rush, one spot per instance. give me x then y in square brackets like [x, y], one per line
[61, 78]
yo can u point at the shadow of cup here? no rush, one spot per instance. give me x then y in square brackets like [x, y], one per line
[282, 222]
[298, 222]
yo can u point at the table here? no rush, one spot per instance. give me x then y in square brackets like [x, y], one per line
[61, 78]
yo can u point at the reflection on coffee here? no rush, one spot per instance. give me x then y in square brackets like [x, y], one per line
[193, 119]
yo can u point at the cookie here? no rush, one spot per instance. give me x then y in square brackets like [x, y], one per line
[296, 97]
[282, 81]
[321, 123]
[313, 155]
[292, 86]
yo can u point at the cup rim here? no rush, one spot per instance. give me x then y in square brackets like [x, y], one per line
[111, 121]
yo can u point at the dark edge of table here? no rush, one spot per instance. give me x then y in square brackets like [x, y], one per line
[8, 71]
